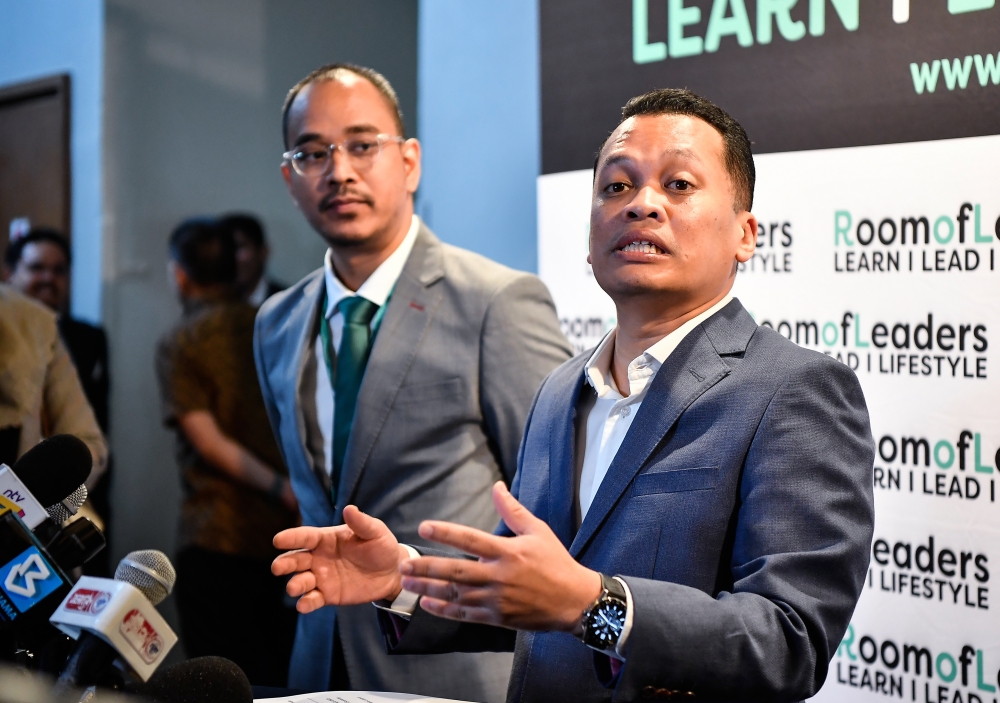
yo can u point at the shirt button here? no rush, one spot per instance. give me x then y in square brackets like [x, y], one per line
[626, 411]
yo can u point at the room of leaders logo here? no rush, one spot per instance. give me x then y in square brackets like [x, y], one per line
[928, 345]
[774, 249]
[962, 241]
[28, 579]
[931, 569]
[913, 670]
[962, 467]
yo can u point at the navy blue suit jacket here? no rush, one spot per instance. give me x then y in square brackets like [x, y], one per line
[739, 510]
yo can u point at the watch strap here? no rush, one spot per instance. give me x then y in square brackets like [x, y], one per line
[613, 587]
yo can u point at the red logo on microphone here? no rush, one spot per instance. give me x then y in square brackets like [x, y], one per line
[141, 635]
[85, 600]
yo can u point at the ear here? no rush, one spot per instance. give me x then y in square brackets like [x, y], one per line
[748, 236]
[411, 164]
[180, 278]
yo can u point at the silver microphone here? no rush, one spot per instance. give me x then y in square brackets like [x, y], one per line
[150, 571]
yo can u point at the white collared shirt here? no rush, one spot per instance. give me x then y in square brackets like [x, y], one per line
[376, 289]
[611, 416]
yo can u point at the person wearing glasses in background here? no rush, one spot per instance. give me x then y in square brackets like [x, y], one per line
[398, 377]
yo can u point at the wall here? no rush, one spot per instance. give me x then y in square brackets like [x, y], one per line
[43, 37]
[194, 94]
[479, 124]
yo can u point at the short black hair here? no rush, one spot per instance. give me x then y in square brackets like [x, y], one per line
[246, 223]
[332, 71]
[679, 101]
[12, 257]
[205, 251]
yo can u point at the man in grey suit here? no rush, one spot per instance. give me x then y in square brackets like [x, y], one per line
[693, 510]
[398, 377]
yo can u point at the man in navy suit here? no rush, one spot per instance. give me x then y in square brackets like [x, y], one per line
[693, 510]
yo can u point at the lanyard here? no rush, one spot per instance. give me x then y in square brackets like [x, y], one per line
[327, 336]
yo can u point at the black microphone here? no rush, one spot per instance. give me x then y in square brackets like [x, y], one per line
[115, 620]
[76, 544]
[54, 468]
[201, 680]
[54, 471]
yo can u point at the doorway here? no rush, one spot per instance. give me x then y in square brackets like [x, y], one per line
[34, 156]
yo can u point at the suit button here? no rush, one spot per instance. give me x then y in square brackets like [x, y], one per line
[648, 692]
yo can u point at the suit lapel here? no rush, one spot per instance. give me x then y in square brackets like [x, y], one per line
[308, 315]
[693, 368]
[562, 446]
[409, 313]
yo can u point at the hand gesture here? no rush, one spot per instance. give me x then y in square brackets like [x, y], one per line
[353, 563]
[526, 582]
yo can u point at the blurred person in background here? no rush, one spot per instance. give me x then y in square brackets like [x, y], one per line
[38, 265]
[236, 490]
[398, 375]
[252, 252]
[40, 391]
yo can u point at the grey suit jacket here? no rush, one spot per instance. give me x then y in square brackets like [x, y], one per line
[739, 510]
[462, 348]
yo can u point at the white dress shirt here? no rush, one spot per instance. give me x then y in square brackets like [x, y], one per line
[612, 415]
[375, 289]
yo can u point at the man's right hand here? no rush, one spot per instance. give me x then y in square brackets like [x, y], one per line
[357, 562]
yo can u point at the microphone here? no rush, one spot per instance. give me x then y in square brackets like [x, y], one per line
[76, 544]
[53, 472]
[53, 468]
[200, 680]
[115, 620]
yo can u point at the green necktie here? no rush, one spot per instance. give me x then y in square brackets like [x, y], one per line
[355, 346]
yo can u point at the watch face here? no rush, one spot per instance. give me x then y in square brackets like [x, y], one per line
[606, 622]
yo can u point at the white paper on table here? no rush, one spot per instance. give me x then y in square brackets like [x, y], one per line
[356, 697]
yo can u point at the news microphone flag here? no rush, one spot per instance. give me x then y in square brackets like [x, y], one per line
[15, 497]
[119, 614]
[31, 582]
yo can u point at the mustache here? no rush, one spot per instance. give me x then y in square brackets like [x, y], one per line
[345, 192]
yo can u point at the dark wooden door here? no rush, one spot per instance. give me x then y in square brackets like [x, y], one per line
[34, 155]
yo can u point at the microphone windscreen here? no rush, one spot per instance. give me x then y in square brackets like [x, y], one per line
[150, 571]
[200, 680]
[69, 506]
[54, 468]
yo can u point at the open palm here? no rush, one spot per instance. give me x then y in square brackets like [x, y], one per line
[357, 562]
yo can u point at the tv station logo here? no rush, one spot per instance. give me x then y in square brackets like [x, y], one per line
[27, 580]
[141, 635]
[915, 242]
[87, 600]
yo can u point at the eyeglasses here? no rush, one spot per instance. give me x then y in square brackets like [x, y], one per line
[312, 160]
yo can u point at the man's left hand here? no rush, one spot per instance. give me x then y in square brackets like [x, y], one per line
[525, 582]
